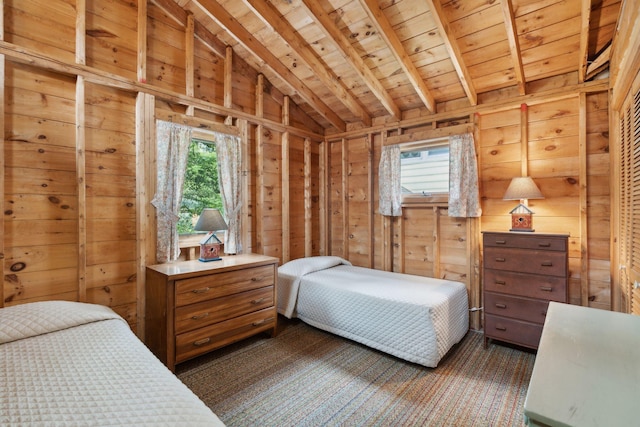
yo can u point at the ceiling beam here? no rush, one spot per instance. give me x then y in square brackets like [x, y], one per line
[454, 50]
[333, 33]
[272, 18]
[386, 31]
[599, 63]
[514, 45]
[585, 15]
[178, 14]
[224, 19]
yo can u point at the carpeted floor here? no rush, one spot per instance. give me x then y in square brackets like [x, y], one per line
[307, 377]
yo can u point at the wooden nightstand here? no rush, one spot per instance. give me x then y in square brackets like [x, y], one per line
[194, 307]
[522, 273]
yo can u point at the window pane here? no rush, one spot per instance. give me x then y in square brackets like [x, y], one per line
[425, 171]
[201, 189]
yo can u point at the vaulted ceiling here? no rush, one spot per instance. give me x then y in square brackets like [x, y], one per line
[352, 61]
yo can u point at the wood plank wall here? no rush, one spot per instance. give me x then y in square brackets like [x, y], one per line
[80, 155]
[77, 222]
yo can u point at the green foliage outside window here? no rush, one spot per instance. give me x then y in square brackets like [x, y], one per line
[201, 188]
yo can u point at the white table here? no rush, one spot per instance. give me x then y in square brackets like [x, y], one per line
[587, 371]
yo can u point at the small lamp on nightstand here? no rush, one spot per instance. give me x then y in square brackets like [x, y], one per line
[210, 220]
[522, 188]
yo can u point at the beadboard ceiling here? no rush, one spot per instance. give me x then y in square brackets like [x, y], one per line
[354, 61]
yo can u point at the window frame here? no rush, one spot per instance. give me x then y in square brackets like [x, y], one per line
[432, 198]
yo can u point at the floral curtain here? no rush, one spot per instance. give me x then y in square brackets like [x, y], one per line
[229, 174]
[389, 181]
[172, 153]
[464, 198]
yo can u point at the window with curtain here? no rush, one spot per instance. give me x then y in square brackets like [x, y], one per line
[424, 168]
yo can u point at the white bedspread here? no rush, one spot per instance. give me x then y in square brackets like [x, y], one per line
[67, 363]
[412, 317]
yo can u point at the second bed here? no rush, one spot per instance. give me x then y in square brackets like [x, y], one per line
[415, 318]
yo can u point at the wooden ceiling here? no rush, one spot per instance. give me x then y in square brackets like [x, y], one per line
[353, 61]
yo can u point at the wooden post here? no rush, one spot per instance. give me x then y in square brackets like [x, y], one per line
[345, 198]
[286, 211]
[324, 197]
[246, 176]
[387, 226]
[142, 42]
[437, 271]
[372, 248]
[524, 140]
[584, 226]
[308, 215]
[82, 189]
[81, 25]
[259, 153]
[189, 57]
[228, 82]
[145, 189]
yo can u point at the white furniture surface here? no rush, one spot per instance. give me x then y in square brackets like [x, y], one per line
[587, 371]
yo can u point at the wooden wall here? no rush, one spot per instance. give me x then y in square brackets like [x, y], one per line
[82, 90]
[79, 110]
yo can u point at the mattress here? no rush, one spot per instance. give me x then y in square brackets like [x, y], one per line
[69, 363]
[412, 317]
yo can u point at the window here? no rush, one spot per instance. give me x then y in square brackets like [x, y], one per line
[201, 189]
[424, 168]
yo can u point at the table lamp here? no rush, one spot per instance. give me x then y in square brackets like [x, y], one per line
[210, 220]
[522, 188]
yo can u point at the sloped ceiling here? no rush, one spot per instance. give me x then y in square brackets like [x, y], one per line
[352, 61]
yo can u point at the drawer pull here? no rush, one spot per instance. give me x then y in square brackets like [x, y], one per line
[544, 245]
[200, 316]
[254, 279]
[501, 305]
[500, 282]
[501, 242]
[546, 288]
[500, 260]
[201, 342]
[501, 328]
[546, 264]
[201, 291]
[257, 301]
[262, 322]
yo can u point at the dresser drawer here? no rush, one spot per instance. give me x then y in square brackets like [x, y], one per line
[203, 288]
[530, 310]
[539, 242]
[526, 261]
[205, 313]
[200, 341]
[513, 331]
[549, 288]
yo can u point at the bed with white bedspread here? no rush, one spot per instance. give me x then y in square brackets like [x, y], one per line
[69, 363]
[415, 318]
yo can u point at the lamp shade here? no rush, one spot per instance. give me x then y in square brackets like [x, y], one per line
[210, 220]
[522, 188]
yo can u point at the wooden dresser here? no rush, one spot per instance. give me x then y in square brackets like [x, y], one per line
[194, 307]
[522, 273]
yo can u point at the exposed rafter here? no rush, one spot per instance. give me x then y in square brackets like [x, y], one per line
[454, 50]
[224, 19]
[386, 31]
[585, 14]
[598, 64]
[272, 18]
[332, 32]
[514, 45]
[177, 13]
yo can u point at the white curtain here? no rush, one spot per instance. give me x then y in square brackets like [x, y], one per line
[172, 153]
[390, 188]
[229, 174]
[464, 197]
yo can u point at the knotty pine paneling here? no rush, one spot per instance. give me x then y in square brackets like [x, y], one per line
[111, 37]
[46, 27]
[296, 198]
[166, 45]
[40, 216]
[208, 74]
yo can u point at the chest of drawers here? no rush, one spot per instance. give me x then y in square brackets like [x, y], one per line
[194, 307]
[522, 273]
